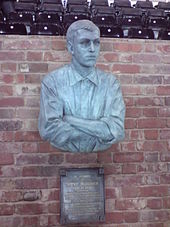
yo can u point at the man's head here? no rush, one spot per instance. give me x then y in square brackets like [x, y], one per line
[83, 42]
[78, 25]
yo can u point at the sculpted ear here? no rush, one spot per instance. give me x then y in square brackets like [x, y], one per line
[70, 47]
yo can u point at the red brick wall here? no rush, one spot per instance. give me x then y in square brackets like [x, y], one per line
[137, 171]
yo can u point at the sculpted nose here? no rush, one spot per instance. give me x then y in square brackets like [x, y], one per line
[92, 47]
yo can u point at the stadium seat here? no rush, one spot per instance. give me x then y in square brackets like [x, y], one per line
[46, 29]
[138, 33]
[22, 17]
[122, 4]
[12, 29]
[99, 3]
[164, 34]
[131, 17]
[144, 4]
[104, 16]
[75, 10]
[48, 17]
[25, 6]
[156, 19]
[111, 32]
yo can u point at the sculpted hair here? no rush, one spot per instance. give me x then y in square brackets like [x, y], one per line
[80, 24]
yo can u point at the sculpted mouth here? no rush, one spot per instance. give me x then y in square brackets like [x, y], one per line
[91, 57]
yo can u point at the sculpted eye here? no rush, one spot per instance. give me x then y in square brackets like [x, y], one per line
[85, 42]
[97, 42]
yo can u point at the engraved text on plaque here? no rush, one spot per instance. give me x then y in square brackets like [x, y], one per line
[82, 195]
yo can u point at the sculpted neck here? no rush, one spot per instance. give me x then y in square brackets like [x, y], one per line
[82, 70]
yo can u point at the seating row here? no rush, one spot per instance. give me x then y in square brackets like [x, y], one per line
[56, 30]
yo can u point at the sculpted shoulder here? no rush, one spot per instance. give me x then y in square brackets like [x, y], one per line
[105, 77]
[57, 76]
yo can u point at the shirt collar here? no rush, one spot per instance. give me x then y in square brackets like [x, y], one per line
[75, 77]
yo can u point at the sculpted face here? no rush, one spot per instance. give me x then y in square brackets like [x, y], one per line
[85, 48]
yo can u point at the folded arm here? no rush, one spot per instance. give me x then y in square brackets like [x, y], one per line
[51, 125]
[96, 128]
[110, 127]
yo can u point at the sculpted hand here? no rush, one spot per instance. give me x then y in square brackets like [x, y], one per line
[68, 118]
[91, 127]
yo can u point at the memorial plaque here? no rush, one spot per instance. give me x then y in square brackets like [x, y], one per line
[82, 195]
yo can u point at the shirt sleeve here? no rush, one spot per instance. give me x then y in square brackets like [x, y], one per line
[114, 114]
[50, 123]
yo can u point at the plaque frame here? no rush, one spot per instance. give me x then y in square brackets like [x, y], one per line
[72, 184]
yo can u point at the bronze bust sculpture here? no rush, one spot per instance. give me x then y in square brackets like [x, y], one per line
[81, 107]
